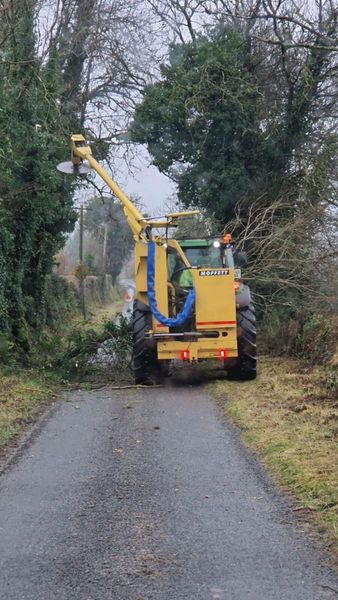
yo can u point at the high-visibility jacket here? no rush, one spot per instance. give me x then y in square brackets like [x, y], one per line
[186, 278]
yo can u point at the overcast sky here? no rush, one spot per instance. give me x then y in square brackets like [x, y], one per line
[138, 179]
[146, 182]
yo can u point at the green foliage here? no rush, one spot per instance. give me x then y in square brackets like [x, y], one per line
[202, 226]
[35, 203]
[229, 128]
[6, 350]
[201, 122]
[310, 336]
[120, 339]
[94, 351]
[60, 302]
[81, 272]
[60, 305]
[90, 262]
[107, 225]
[332, 380]
[317, 338]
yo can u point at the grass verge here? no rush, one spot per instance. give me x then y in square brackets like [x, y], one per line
[22, 395]
[289, 416]
[25, 392]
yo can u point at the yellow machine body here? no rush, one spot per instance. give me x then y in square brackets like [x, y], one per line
[215, 307]
[213, 334]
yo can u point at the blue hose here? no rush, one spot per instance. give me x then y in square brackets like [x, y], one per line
[185, 312]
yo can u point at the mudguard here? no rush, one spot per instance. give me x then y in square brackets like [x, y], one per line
[243, 296]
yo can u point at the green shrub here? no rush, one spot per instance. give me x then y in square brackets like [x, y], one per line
[6, 350]
[317, 338]
[332, 379]
[90, 352]
[307, 335]
[60, 302]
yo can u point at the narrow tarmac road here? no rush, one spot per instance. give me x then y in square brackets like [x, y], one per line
[148, 494]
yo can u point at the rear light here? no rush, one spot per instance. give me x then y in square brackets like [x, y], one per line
[127, 297]
[237, 285]
[185, 355]
[223, 354]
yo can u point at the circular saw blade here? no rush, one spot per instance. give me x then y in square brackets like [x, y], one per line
[68, 168]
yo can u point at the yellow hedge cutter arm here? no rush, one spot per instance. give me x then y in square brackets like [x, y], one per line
[140, 226]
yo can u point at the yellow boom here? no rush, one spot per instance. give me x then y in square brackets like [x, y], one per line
[81, 151]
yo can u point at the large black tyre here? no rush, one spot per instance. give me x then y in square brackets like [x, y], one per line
[145, 364]
[245, 368]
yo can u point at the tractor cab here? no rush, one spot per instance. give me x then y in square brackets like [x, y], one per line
[210, 254]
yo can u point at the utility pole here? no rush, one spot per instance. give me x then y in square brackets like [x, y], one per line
[104, 259]
[82, 289]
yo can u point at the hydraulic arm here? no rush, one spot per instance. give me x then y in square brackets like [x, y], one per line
[140, 227]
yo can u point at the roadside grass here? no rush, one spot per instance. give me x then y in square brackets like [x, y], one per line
[24, 392]
[289, 416]
[22, 395]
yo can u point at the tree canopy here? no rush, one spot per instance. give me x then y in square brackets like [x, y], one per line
[231, 125]
[201, 122]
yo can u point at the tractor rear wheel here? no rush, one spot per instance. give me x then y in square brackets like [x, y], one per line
[145, 364]
[245, 367]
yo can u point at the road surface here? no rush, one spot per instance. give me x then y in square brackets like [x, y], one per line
[148, 494]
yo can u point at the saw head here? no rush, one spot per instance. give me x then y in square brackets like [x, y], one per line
[69, 168]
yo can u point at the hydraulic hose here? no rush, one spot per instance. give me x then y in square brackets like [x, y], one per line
[182, 316]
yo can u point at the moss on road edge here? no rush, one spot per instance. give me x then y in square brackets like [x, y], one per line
[23, 394]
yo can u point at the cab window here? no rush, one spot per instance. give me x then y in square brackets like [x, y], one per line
[207, 256]
[175, 265]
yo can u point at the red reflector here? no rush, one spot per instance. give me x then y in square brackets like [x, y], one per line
[223, 354]
[185, 355]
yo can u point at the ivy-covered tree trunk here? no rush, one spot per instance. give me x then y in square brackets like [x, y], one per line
[36, 207]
